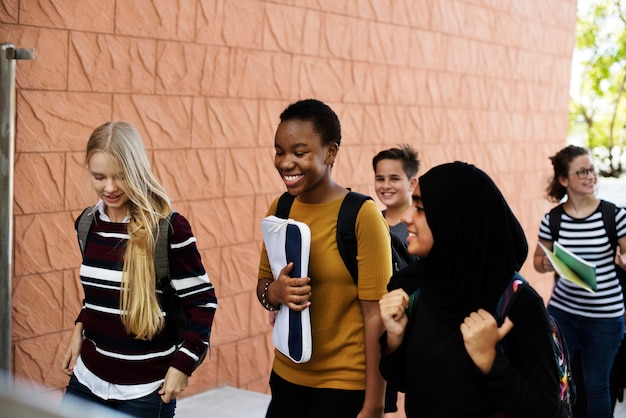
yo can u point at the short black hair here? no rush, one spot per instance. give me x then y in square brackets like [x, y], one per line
[324, 119]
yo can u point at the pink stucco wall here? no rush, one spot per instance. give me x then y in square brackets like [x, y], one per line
[485, 81]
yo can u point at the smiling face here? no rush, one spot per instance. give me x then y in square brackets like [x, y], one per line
[107, 183]
[420, 240]
[574, 184]
[392, 185]
[302, 161]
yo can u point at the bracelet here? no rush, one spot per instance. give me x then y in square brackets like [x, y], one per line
[266, 304]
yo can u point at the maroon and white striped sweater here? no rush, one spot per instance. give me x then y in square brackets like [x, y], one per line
[107, 350]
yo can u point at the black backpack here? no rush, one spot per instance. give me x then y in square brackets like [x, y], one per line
[174, 309]
[346, 234]
[567, 392]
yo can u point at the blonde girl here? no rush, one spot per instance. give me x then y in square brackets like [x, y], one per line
[121, 354]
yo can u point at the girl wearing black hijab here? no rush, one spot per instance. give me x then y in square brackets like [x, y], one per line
[444, 356]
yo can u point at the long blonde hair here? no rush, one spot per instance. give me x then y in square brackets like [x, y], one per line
[148, 202]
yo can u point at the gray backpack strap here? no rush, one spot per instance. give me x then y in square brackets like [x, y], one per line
[83, 227]
[161, 254]
[161, 249]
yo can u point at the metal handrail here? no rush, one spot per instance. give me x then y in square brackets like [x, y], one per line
[8, 54]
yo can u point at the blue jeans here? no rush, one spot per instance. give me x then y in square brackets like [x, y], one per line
[598, 341]
[150, 406]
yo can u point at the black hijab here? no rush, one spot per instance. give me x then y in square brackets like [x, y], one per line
[478, 242]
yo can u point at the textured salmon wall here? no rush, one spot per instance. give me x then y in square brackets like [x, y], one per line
[485, 81]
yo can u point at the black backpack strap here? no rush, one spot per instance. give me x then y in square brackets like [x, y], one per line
[412, 303]
[508, 297]
[83, 227]
[608, 217]
[555, 220]
[346, 226]
[505, 302]
[399, 253]
[284, 205]
[346, 231]
[161, 254]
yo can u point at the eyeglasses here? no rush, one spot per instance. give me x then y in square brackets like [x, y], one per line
[583, 173]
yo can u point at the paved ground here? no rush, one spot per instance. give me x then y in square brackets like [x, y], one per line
[228, 402]
[225, 402]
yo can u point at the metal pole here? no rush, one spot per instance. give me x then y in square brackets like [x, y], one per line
[8, 55]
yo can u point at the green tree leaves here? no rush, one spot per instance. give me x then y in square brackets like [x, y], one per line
[598, 104]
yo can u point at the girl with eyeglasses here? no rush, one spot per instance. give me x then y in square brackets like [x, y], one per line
[592, 323]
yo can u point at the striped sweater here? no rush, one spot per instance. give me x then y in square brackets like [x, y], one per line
[107, 350]
[588, 239]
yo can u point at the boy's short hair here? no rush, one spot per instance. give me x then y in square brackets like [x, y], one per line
[406, 154]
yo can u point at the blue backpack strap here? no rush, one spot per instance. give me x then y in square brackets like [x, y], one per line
[346, 231]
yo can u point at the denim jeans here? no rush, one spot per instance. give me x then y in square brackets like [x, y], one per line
[597, 340]
[150, 406]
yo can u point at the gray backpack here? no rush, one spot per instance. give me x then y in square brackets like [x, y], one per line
[175, 312]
